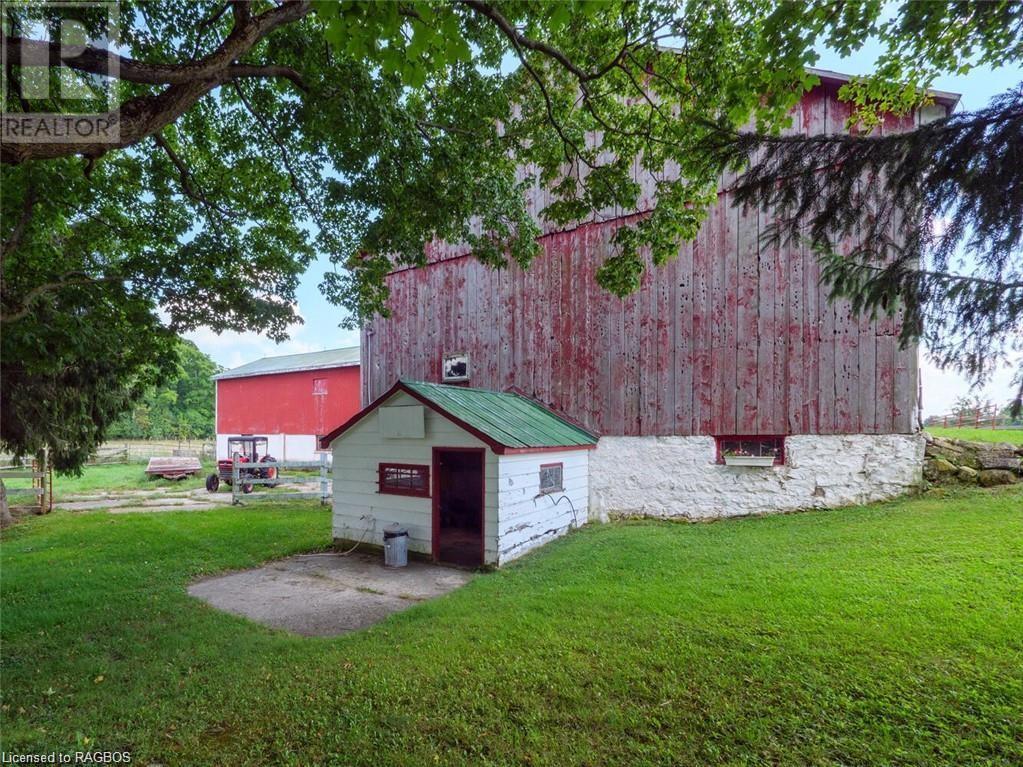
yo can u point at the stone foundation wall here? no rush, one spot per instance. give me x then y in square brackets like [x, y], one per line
[678, 476]
[970, 463]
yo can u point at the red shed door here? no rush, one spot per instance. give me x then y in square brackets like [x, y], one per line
[458, 509]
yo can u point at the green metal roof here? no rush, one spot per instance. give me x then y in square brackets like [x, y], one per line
[290, 363]
[508, 419]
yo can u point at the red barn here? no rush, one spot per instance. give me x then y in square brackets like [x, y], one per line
[732, 352]
[292, 400]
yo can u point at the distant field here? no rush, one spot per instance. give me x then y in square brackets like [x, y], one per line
[115, 476]
[1015, 436]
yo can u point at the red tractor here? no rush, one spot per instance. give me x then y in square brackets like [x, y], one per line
[248, 449]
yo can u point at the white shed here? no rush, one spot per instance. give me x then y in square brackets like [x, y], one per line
[476, 476]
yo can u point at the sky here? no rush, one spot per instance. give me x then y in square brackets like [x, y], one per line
[321, 329]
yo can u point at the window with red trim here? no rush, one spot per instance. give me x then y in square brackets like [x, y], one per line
[404, 479]
[552, 476]
[752, 446]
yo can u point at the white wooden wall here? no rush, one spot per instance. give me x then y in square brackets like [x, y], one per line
[527, 519]
[283, 447]
[517, 517]
[361, 513]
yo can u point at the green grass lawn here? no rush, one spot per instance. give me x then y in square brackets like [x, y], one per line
[889, 634]
[114, 477]
[1013, 436]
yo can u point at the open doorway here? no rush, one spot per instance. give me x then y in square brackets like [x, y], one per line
[458, 505]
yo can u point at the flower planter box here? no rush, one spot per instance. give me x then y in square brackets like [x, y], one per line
[749, 460]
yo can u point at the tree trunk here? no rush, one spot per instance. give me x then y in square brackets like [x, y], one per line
[6, 520]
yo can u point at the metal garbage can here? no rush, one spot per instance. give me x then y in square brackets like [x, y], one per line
[395, 546]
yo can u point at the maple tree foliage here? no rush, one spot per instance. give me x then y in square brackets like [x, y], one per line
[256, 135]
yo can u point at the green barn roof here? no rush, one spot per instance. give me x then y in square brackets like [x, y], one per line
[505, 421]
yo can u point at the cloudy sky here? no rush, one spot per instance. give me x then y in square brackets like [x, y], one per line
[321, 327]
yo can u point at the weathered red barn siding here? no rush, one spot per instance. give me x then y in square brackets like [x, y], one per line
[300, 402]
[732, 337]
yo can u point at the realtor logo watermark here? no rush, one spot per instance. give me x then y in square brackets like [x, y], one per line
[59, 72]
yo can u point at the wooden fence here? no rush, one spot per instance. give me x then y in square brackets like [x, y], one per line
[140, 451]
[973, 418]
[135, 451]
[41, 491]
[239, 481]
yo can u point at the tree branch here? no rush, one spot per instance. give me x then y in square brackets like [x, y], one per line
[69, 278]
[186, 178]
[18, 232]
[521, 41]
[997, 285]
[267, 71]
[15, 82]
[146, 115]
[212, 18]
[241, 10]
[245, 34]
[296, 183]
[565, 140]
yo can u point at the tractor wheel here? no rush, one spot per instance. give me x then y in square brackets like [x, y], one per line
[270, 473]
[213, 483]
[246, 487]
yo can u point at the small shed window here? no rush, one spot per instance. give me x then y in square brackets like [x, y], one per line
[552, 478]
[753, 450]
[404, 479]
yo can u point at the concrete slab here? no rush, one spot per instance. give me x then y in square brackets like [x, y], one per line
[155, 507]
[327, 594]
[169, 499]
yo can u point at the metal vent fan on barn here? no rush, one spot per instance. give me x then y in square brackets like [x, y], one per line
[475, 476]
[290, 401]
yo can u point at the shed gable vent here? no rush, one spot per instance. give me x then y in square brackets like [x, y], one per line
[405, 422]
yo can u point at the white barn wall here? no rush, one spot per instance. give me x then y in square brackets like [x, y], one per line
[678, 476]
[361, 513]
[283, 447]
[527, 519]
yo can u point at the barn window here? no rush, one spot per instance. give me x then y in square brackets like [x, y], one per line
[751, 450]
[551, 478]
[404, 479]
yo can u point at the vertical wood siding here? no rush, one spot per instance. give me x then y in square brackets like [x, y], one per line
[734, 336]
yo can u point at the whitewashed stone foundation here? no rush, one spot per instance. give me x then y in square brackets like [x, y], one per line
[678, 476]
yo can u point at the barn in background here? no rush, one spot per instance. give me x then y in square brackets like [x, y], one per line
[292, 400]
[729, 354]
